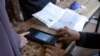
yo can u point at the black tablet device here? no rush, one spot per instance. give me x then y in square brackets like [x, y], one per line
[41, 37]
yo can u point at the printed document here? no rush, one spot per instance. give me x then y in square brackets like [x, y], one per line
[55, 17]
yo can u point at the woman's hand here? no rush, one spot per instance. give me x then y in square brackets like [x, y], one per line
[54, 51]
[23, 39]
[68, 34]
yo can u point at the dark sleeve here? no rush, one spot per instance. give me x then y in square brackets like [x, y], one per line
[89, 40]
[29, 7]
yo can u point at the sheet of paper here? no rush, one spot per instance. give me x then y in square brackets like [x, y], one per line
[56, 17]
[70, 19]
[49, 14]
[80, 24]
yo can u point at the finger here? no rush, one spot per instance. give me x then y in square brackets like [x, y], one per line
[61, 33]
[49, 47]
[26, 41]
[64, 37]
[49, 51]
[61, 29]
[47, 54]
[61, 0]
[66, 29]
[25, 33]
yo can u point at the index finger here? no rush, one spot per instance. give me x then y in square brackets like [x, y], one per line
[59, 30]
[25, 33]
[62, 29]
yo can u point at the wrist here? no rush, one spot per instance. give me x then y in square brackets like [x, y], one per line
[78, 36]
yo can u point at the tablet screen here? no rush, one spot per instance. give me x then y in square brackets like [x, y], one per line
[43, 36]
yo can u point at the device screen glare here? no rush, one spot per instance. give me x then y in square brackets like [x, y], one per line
[42, 36]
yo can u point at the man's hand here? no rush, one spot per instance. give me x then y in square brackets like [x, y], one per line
[68, 34]
[58, 1]
[54, 51]
[23, 39]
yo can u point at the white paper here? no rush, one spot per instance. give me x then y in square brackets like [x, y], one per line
[72, 20]
[56, 17]
[49, 14]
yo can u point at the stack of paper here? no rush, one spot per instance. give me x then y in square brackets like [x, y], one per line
[55, 17]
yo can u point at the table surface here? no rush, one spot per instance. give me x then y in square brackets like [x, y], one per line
[32, 48]
[91, 6]
[35, 49]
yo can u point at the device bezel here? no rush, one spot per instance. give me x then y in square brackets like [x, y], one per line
[34, 31]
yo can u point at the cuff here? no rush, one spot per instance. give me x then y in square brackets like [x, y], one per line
[81, 41]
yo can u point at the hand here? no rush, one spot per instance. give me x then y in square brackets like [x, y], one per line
[68, 34]
[23, 39]
[58, 1]
[54, 51]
